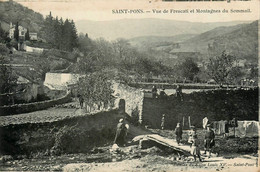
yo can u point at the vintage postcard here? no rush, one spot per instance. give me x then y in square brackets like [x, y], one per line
[127, 85]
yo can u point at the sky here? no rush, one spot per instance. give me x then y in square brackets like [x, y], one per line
[100, 10]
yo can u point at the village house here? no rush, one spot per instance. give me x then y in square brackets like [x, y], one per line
[22, 31]
[33, 36]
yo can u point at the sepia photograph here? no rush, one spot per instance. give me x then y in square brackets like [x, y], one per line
[125, 85]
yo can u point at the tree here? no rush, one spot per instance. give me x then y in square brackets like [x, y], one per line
[3, 36]
[120, 46]
[220, 67]
[96, 89]
[253, 72]
[188, 69]
[16, 32]
[74, 35]
[235, 75]
[85, 43]
[48, 33]
[60, 34]
[27, 35]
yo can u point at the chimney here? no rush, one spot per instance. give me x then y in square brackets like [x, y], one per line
[11, 25]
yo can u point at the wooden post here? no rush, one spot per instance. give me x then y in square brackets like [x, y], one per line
[183, 121]
[189, 121]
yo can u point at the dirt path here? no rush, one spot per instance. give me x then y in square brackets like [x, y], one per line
[160, 163]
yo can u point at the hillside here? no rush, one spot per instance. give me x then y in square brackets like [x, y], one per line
[130, 28]
[240, 40]
[14, 12]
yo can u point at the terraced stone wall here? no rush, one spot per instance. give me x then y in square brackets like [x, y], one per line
[30, 107]
[71, 135]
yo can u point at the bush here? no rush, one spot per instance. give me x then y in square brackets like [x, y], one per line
[3, 49]
[75, 139]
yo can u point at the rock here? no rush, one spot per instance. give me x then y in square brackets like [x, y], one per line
[57, 168]
[6, 158]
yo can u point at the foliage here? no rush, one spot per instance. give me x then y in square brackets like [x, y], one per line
[16, 32]
[187, 69]
[11, 11]
[85, 43]
[118, 58]
[61, 35]
[96, 89]
[78, 138]
[253, 72]
[3, 49]
[121, 47]
[27, 36]
[220, 67]
[8, 80]
[13, 43]
[235, 75]
[3, 35]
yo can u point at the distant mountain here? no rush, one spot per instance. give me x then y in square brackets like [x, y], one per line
[150, 41]
[11, 11]
[240, 40]
[130, 28]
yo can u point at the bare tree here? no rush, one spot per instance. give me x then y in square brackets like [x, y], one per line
[121, 46]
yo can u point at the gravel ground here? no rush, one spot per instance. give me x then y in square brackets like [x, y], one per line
[129, 158]
[164, 164]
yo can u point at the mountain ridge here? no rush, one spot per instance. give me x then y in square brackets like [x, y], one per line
[130, 28]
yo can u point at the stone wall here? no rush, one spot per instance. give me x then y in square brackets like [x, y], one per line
[33, 49]
[133, 99]
[216, 105]
[28, 92]
[30, 107]
[71, 135]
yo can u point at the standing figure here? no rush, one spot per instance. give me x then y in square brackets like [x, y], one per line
[120, 133]
[126, 131]
[154, 91]
[195, 150]
[178, 132]
[226, 129]
[163, 121]
[205, 122]
[191, 133]
[179, 93]
[81, 100]
[209, 140]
